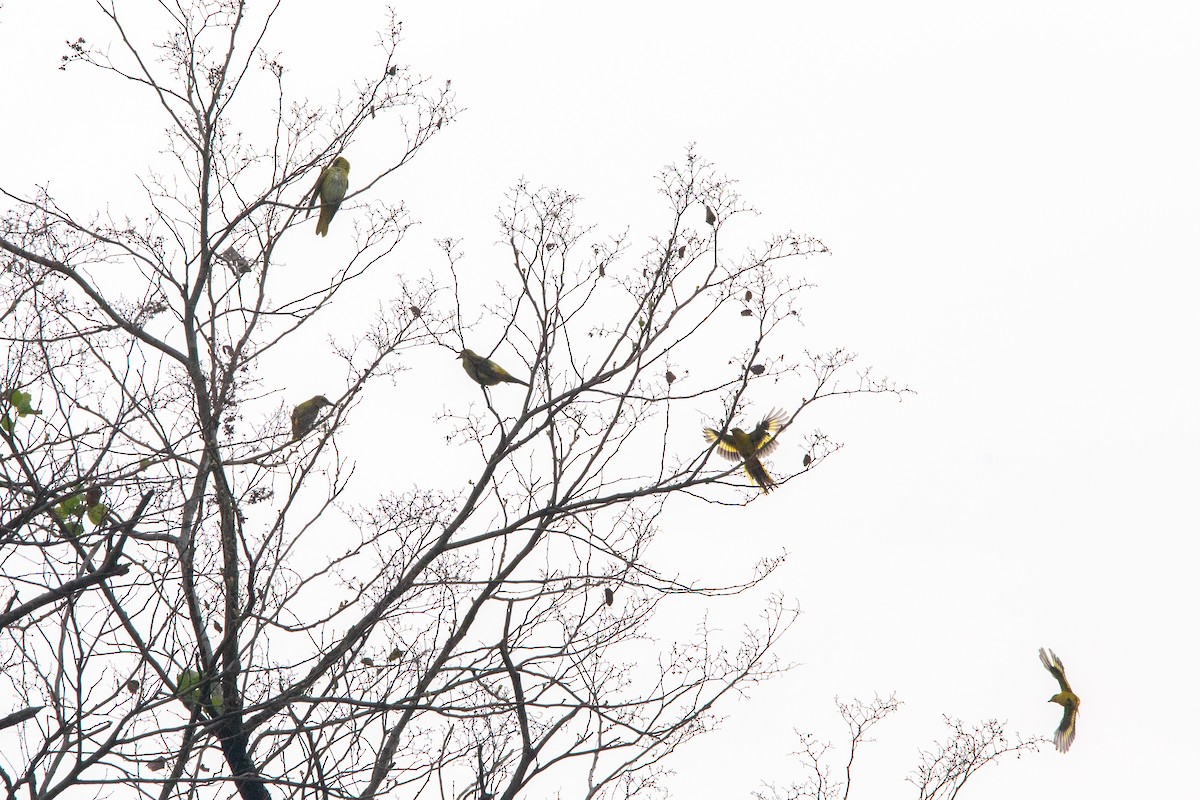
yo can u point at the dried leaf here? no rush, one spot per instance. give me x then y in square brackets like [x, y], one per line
[709, 216]
[747, 312]
[235, 259]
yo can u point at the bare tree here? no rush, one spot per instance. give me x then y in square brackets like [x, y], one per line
[943, 771]
[191, 591]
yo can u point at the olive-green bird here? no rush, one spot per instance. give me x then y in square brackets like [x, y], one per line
[330, 188]
[737, 445]
[1065, 734]
[304, 416]
[484, 371]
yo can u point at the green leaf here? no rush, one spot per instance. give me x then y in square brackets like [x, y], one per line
[21, 402]
[188, 683]
[97, 514]
[74, 506]
[75, 529]
[6, 423]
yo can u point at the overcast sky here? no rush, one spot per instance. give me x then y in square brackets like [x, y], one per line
[1010, 194]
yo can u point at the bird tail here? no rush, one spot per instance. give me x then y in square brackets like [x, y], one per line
[758, 473]
[323, 223]
[514, 379]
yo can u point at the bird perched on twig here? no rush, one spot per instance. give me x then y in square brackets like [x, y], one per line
[737, 445]
[304, 416]
[1065, 734]
[484, 371]
[330, 188]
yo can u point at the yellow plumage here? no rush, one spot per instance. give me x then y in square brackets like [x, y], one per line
[304, 416]
[484, 371]
[1065, 734]
[737, 445]
[330, 189]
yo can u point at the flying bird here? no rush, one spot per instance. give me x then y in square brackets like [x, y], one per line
[304, 416]
[737, 445]
[330, 189]
[484, 371]
[1065, 734]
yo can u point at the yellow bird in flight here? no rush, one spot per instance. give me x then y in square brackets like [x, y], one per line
[737, 445]
[1065, 698]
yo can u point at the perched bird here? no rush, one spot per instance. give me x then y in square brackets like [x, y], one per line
[330, 189]
[484, 371]
[737, 445]
[1065, 698]
[304, 416]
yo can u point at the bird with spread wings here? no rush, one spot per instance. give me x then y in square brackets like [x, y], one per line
[737, 445]
[1065, 698]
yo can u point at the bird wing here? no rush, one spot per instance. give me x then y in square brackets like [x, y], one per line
[763, 437]
[1054, 666]
[725, 446]
[1065, 735]
[334, 186]
[314, 195]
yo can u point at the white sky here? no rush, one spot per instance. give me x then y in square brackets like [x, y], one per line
[1010, 194]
